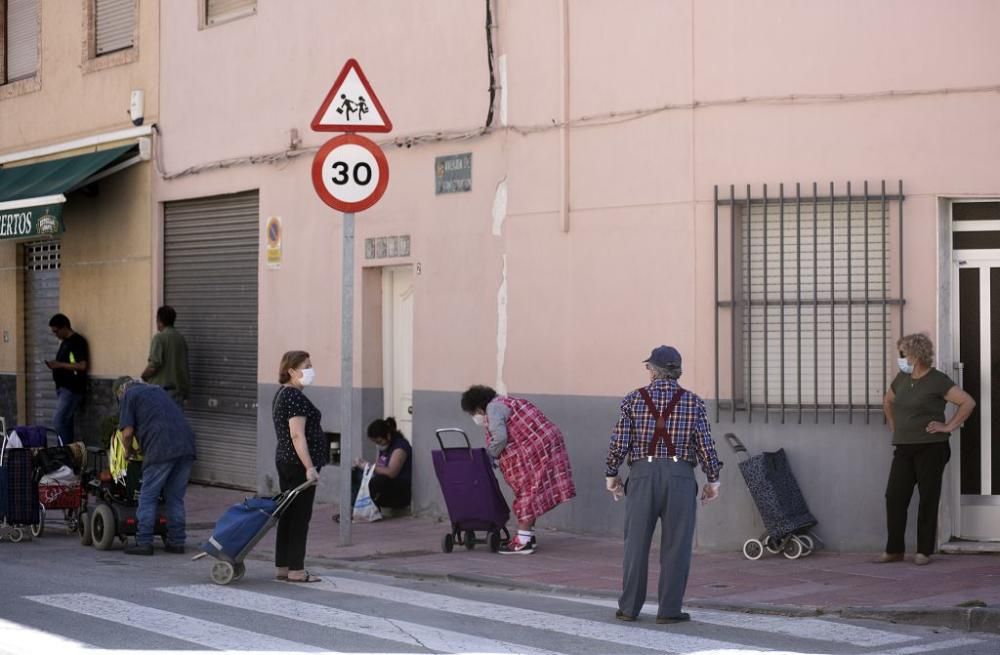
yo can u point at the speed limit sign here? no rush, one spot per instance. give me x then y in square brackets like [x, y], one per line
[350, 173]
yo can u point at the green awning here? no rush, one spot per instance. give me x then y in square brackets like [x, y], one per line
[31, 196]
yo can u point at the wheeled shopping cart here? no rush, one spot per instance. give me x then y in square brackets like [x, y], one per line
[779, 501]
[239, 530]
[472, 494]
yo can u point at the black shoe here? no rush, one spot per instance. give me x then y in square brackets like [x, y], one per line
[622, 616]
[139, 549]
[680, 618]
[176, 549]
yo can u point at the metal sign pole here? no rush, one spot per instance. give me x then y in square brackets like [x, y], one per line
[347, 381]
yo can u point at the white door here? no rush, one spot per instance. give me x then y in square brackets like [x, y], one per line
[397, 345]
[977, 286]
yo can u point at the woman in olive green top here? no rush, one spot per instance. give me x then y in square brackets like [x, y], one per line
[914, 407]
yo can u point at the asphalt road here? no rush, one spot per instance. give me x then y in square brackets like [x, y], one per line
[60, 597]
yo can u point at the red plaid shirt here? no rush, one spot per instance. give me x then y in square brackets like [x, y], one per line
[688, 426]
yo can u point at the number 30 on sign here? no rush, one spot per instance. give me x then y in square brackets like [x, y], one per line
[350, 173]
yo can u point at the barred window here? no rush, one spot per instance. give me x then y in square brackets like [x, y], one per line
[809, 306]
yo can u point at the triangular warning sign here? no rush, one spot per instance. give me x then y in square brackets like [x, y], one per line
[351, 105]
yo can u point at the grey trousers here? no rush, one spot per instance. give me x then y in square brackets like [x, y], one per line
[666, 490]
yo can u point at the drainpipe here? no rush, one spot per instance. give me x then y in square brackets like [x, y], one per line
[564, 118]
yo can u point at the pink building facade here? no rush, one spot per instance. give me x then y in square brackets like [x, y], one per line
[574, 183]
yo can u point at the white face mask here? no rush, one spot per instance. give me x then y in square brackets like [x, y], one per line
[904, 365]
[308, 375]
[382, 446]
[479, 419]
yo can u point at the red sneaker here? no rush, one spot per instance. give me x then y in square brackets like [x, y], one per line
[517, 547]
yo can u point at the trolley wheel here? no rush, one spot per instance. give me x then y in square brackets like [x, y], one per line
[102, 527]
[86, 534]
[753, 549]
[494, 541]
[772, 545]
[808, 545]
[239, 570]
[792, 548]
[470, 540]
[448, 543]
[38, 528]
[223, 573]
[16, 535]
[72, 522]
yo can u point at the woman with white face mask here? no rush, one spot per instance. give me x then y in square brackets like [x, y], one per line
[914, 407]
[301, 452]
[390, 486]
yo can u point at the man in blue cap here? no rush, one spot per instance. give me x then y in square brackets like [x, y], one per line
[663, 431]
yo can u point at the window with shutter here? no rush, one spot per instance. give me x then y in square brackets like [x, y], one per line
[221, 11]
[812, 312]
[20, 32]
[114, 25]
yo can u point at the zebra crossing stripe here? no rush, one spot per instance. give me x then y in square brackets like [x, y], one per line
[661, 639]
[818, 629]
[961, 642]
[17, 638]
[178, 626]
[412, 634]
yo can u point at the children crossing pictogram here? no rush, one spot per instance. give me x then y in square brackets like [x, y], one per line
[351, 105]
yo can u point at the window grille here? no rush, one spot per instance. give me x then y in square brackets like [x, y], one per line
[807, 320]
[41, 256]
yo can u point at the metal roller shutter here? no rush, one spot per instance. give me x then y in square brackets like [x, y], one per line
[217, 11]
[41, 301]
[115, 25]
[21, 39]
[210, 278]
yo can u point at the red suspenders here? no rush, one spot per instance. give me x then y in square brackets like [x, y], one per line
[660, 431]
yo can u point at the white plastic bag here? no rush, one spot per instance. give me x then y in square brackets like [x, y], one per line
[14, 441]
[365, 509]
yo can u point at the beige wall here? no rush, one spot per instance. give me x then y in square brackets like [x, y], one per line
[106, 267]
[73, 100]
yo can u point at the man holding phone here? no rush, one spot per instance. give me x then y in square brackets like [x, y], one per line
[69, 371]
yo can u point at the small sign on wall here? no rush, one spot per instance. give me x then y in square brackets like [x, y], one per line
[453, 173]
[272, 234]
[382, 247]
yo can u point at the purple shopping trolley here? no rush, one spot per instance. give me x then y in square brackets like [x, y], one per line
[472, 494]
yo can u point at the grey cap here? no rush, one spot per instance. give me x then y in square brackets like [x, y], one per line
[664, 356]
[119, 383]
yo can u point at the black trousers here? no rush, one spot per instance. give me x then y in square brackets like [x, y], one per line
[389, 492]
[293, 526]
[922, 466]
[385, 491]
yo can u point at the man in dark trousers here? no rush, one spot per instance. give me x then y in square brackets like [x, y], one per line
[167, 443]
[167, 365]
[663, 431]
[69, 371]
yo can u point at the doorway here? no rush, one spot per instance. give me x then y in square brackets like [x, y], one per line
[976, 280]
[397, 345]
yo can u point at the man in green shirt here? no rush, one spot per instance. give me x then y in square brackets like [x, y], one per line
[168, 361]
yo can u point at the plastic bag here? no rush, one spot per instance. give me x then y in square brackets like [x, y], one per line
[14, 441]
[365, 509]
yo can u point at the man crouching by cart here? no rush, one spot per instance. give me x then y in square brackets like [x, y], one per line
[663, 430]
[167, 443]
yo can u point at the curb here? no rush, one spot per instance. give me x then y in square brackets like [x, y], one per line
[962, 619]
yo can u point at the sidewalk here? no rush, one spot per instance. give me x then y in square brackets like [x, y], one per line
[956, 591]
